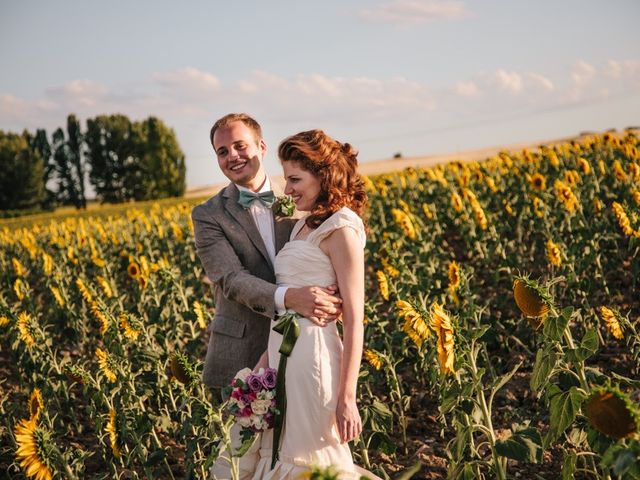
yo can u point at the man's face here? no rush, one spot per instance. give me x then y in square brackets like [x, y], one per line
[240, 155]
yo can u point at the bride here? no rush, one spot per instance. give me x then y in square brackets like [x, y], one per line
[326, 247]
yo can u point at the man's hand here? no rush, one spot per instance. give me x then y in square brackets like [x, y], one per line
[320, 305]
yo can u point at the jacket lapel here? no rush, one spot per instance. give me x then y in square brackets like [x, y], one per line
[281, 225]
[243, 217]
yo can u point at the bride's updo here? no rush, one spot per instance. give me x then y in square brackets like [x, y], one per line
[334, 164]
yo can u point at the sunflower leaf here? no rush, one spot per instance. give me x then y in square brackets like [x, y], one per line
[554, 326]
[524, 445]
[546, 361]
[569, 465]
[564, 408]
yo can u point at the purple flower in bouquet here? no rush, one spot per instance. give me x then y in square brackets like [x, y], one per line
[269, 378]
[255, 382]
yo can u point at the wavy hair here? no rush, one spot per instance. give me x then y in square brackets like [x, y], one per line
[334, 164]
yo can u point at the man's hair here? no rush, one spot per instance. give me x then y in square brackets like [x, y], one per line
[236, 117]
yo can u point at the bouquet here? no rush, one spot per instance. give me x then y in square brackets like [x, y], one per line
[252, 401]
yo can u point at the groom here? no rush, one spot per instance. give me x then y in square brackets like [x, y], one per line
[237, 236]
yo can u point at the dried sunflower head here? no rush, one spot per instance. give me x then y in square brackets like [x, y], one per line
[533, 299]
[611, 412]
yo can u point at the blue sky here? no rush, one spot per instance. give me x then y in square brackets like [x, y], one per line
[413, 76]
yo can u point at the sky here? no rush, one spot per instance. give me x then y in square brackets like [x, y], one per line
[416, 77]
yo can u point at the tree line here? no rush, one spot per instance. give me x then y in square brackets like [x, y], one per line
[120, 159]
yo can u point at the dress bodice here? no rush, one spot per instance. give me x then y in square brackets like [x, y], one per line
[302, 263]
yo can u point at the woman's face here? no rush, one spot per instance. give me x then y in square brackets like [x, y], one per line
[302, 185]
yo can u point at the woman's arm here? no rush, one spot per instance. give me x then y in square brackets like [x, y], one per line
[345, 250]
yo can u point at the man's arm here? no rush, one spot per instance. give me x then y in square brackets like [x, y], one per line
[222, 266]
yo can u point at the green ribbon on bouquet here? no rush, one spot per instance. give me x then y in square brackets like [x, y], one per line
[288, 327]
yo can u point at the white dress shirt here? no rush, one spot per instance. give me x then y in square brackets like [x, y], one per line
[263, 219]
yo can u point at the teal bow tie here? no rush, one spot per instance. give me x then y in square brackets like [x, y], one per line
[246, 197]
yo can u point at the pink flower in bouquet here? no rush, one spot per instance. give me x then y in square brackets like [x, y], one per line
[255, 382]
[269, 378]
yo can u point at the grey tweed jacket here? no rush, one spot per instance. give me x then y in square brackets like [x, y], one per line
[236, 261]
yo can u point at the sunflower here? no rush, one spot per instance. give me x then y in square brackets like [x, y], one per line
[35, 404]
[389, 269]
[572, 178]
[199, 310]
[491, 184]
[623, 219]
[18, 267]
[4, 321]
[133, 270]
[383, 284]
[373, 358]
[532, 299]
[597, 206]
[105, 365]
[611, 319]
[454, 277]
[442, 325]
[415, 325]
[566, 195]
[584, 166]
[636, 196]
[33, 449]
[19, 289]
[129, 331]
[538, 207]
[456, 202]
[426, 209]
[105, 286]
[611, 412]
[58, 296]
[181, 369]
[553, 159]
[84, 291]
[618, 171]
[100, 315]
[403, 219]
[553, 253]
[26, 329]
[538, 181]
[76, 374]
[143, 282]
[113, 433]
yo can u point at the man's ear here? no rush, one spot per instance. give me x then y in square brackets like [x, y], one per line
[263, 146]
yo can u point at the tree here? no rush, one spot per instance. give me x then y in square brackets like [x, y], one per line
[69, 164]
[40, 143]
[133, 160]
[21, 174]
[112, 151]
[162, 160]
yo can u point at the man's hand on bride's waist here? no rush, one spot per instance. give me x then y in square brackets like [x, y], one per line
[321, 305]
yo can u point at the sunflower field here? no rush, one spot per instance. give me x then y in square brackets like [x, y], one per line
[502, 336]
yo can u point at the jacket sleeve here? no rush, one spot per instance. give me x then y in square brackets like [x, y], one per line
[223, 267]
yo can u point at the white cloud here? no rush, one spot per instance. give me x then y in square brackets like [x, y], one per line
[467, 89]
[510, 81]
[540, 81]
[413, 12]
[188, 79]
[78, 93]
[582, 73]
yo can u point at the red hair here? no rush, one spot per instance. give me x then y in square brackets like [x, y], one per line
[334, 164]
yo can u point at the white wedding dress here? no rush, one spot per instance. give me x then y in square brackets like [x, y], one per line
[310, 436]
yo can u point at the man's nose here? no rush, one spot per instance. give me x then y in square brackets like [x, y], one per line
[233, 153]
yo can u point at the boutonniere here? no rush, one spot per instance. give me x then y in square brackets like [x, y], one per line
[284, 206]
